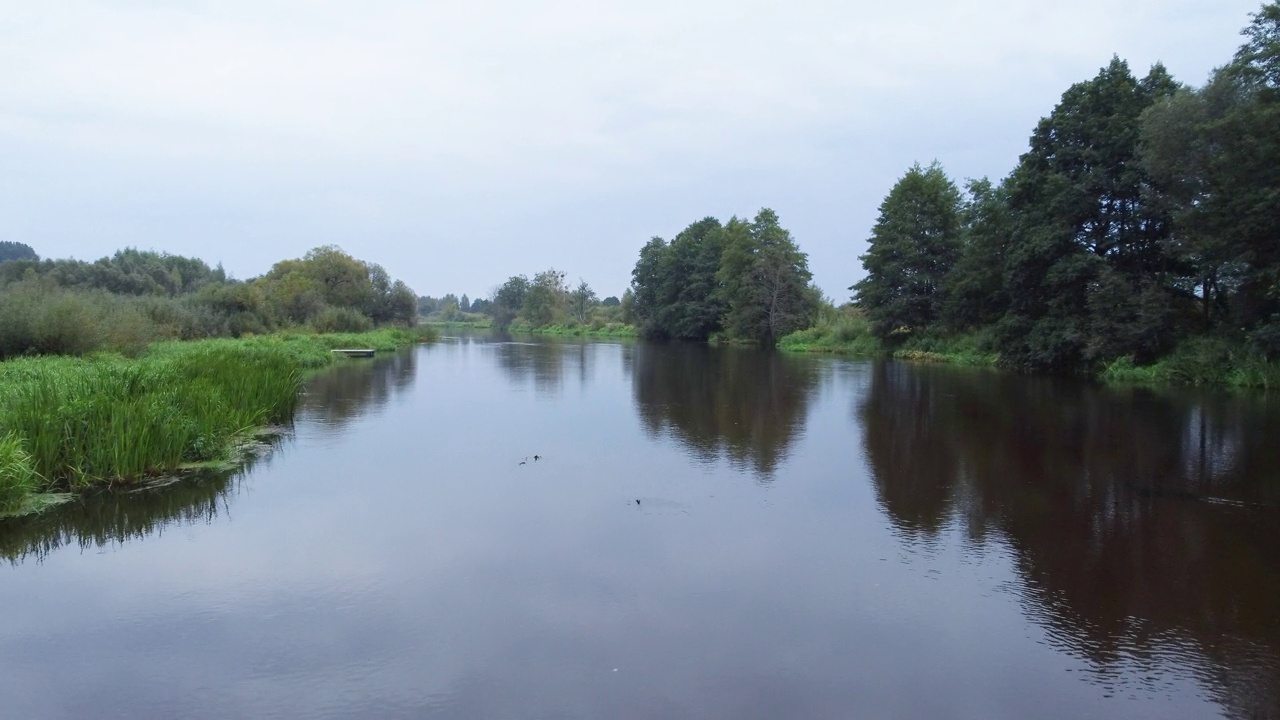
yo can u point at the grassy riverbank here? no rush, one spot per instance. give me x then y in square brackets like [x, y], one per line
[68, 424]
[1199, 361]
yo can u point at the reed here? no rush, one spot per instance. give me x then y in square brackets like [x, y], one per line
[67, 423]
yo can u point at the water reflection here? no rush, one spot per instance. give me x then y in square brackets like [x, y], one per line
[544, 364]
[334, 398]
[1144, 525]
[746, 405]
[355, 388]
[104, 519]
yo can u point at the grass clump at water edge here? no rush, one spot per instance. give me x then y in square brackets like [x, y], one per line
[68, 424]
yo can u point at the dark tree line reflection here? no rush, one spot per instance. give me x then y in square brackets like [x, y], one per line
[1140, 522]
[334, 397]
[746, 405]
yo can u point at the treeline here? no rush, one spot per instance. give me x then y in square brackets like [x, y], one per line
[1142, 224]
[134, 297]
[16, 251]
[546, 301]
[741, 280]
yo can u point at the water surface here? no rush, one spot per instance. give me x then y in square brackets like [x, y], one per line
[707, 533]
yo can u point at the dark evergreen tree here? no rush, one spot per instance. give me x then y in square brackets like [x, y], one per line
[764, 280]
[914, 243]
[974, 294]
[16, 251]
[1079, 206]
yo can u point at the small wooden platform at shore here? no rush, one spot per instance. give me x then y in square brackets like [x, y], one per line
[355, 352]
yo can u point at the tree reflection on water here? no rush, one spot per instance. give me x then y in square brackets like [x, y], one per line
[1143, 524]
[746, 405]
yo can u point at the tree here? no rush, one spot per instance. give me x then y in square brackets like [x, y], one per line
[1245, 179]
[16, 251]
[974, 290]
[692, 305]
[507, 300]
[914, 243]
[546, 296]
[647, 287]
[676, 286]
[1079, 201]
[464, 303]
[582, 300]
[449, 307]
[764, 280]
[611, 301]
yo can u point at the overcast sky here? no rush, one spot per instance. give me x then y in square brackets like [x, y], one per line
[460, 143]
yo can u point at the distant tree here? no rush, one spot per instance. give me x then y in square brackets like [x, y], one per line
[582, 300]
[611, 301]
[676, 286]
[507, 300]
[16, 251]
[913, 245]
[427, 305]
[545, 297]
[628, 305]
[464, 304]
[647, 285]
[449, 307]
[692, 305]
[764, 280]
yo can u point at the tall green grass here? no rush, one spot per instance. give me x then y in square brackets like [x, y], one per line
[70, 423]
[18, 476]
[838, 330]
[1200, 361]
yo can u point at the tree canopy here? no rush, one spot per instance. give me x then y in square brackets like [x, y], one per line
[745, 278]
[1143, 214]
[16, 251]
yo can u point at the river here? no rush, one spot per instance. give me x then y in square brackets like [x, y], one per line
[482, 528]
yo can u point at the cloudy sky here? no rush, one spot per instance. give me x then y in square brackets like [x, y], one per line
[460, 143]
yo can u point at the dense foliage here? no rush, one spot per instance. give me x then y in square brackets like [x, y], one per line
[746, 279]
[1144, 216]
[15, 251]
[134, 297]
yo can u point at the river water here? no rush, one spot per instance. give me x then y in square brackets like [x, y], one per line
[703, 533]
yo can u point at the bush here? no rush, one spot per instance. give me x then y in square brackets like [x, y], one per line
[39, 319]
[341, 320]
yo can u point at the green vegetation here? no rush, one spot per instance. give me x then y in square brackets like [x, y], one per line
[16, 251]
[596, 330]
[847, 331]
[1135, 240]
[127, 301]
[744, 281]
[68, 423]
[545, 305]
